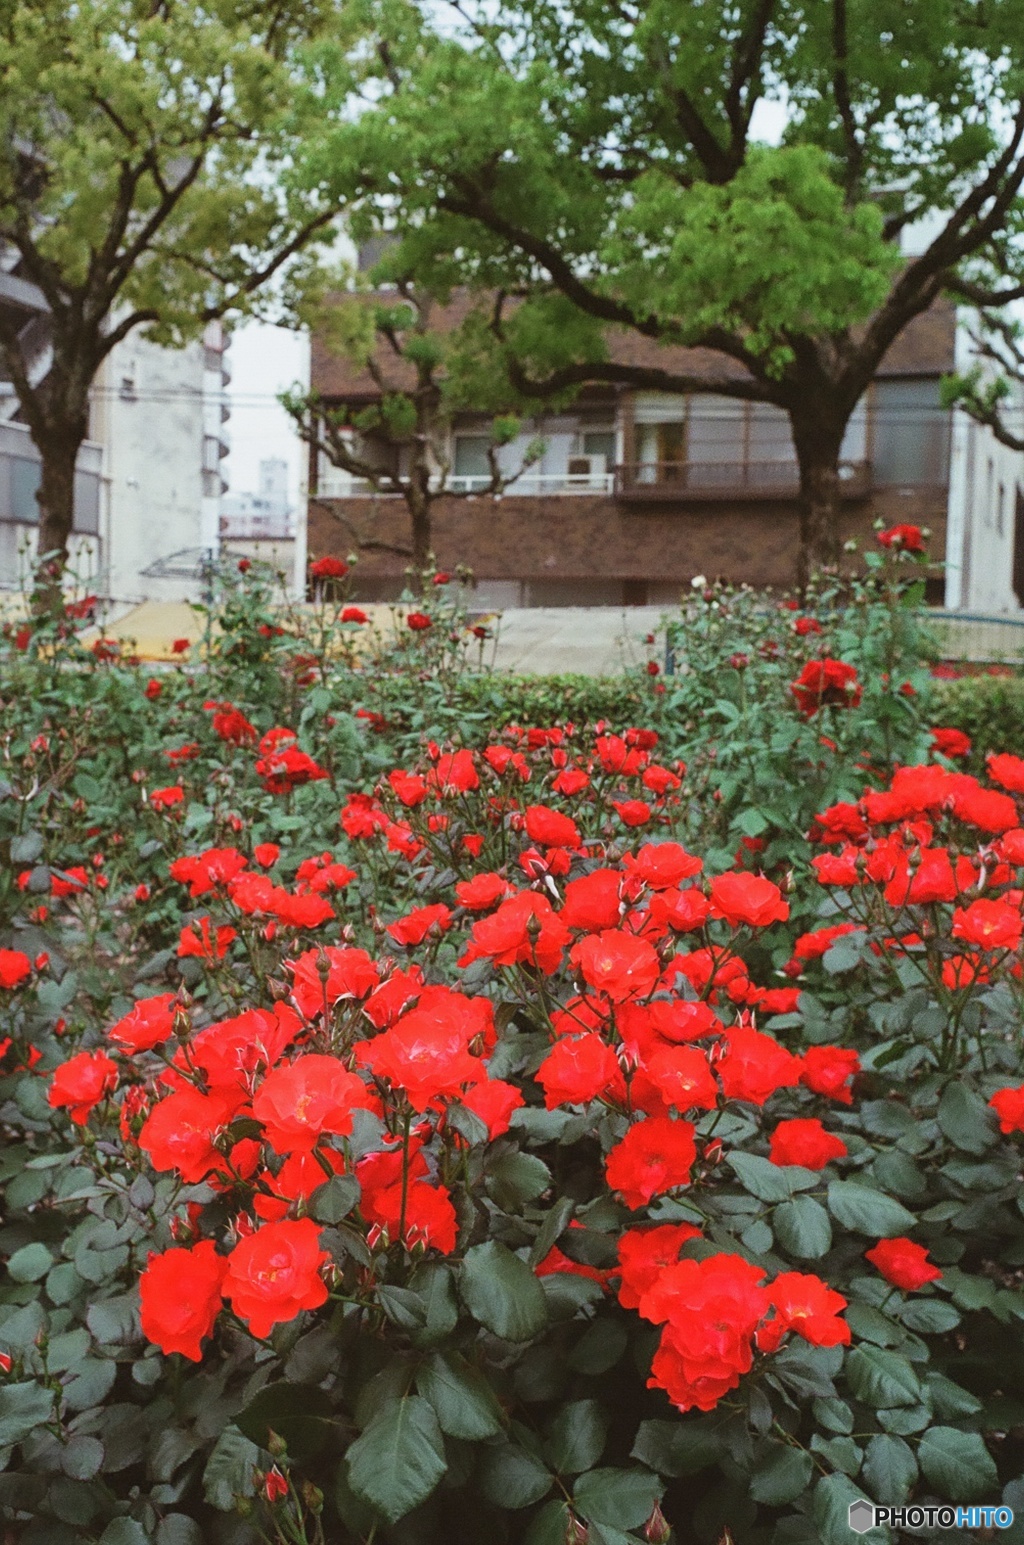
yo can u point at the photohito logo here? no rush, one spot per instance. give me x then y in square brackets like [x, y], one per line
[864, 1515]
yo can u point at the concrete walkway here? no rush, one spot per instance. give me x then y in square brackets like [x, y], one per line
[587, 640]
[538, 641]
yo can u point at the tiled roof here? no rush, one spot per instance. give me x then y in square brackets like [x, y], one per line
[924, 348]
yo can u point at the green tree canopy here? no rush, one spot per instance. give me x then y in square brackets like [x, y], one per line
[144, 150]
[604, 166]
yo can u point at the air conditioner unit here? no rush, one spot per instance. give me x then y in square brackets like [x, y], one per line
[594, 468]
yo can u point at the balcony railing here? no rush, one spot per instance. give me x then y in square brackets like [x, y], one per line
[530, 484]
[674, 481]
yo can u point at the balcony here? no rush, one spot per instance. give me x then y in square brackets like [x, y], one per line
[698, 482]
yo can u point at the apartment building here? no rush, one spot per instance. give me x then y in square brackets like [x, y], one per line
[149, 479]
[637, 492]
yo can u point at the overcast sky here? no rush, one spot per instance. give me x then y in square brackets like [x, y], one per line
[264, 360]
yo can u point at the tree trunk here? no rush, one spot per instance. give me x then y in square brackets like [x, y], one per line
[817, 440]
[56, 500]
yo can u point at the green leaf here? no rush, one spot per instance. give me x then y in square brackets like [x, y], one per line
[114, 1321]
[502, 1293]
[577, 1437]
[600, 1347]
[958, 1464]
[965, 1119]
[178, 1529]
[556, 1221]
[511, 1477]
[82, 1457]
[229, 1470]
[334, 1200]
[890, 1468]
[29, 1263]
[515, 1179]
[929, 1315]
[93, 1381]
[23, 1407]
[465, 1404]
[802, 1227]
[761, 1177]
[867, 1211]
[396, 1463]
[301, 1414]
[781, 1475]
[434, 1283]
[881, 1378]
[831, 1507]
[622, 1498]
[678, 1448]
[123, 1531]
[26, 848]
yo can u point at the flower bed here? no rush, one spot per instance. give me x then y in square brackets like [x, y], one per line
[512, 1139]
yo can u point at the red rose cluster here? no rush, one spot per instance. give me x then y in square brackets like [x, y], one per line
[936, 856]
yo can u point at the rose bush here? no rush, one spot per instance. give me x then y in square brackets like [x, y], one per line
[486, 1138]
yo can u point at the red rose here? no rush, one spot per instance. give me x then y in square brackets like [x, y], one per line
[755, 1066]
[1008, 1105]
[303, 1100]
[153, 688]
[747, 899]
[419, 622]
[266, 854]
[904, 538]
[430, 1218]
[426, 1051]
[179, 1133]
[82, 1083]
[805, 1142]
[662, 865]
[805, 625]
[523, 930]
[354, 614]
[903, 1263]
[204, 942]
[632, 812]
[577, 1069]
[181, 646]
[826, 682]
[275, 1273]
[482, 891]
[328, 568]
[146, 1025]
[166, 799]
[617, 964]
[1008, 771]
[655, 1156]
[181, 1298]
[643, 1255]
[14, 968]
[493, 1101]
[712, 1309]
[990, 925]
[414, 927]
[244, 565]
[551, 828]
[350, 974]
[828, 1070]
[806, 1305]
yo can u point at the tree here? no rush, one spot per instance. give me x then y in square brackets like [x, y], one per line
[138, 145]
[599, 163]
[993, 388]
[399, 443]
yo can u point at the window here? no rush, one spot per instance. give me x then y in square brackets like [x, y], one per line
[910, 433]
[471, 456]
[600, 442]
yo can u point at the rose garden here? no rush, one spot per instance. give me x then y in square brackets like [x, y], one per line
[441, 1106]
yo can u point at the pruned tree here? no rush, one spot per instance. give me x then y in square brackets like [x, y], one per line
[399, 443]
[992, 389]
[602, 162]
[140, 142]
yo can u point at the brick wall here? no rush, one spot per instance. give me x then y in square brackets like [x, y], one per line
[595, 538]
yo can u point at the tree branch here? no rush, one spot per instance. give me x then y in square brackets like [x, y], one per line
[841, 91]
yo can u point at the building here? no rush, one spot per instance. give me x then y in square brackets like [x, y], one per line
[265, 515]
[637, 492]
[149, 483]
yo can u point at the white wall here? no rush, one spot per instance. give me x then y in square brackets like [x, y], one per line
[981, 514]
